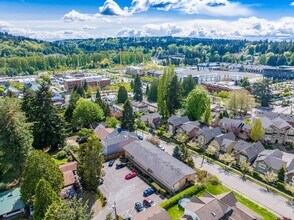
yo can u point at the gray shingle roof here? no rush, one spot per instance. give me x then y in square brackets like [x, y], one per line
[152, 116]
[229, 136]
[208, 133]
[272, 158]
[189, 126]
[273, 115]
[176, 121]
[163, 165]
[252, 150]
[280, 123]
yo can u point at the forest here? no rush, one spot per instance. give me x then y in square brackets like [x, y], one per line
[24, 56]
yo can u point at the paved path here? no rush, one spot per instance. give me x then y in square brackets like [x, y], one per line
[277, 204]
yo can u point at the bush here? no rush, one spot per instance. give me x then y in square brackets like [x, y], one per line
[186, 193]
[156, 187]
[71, 145]
[201, 175]
[153, 140]
[281, 187]
[213, 180]
[61, 154]
[2, 187]
[163, 192]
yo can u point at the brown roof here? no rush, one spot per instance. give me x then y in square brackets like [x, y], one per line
[102, 132]
[69, 178]
[153, 213]
[71, 166]
[241, 212]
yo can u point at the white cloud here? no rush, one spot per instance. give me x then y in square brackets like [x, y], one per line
[88, 27]
[209, 7]
[249, 28]
[43, 35]
[111, 8]
[76, 16]
[292, 4]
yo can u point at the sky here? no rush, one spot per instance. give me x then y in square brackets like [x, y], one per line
[70, 19]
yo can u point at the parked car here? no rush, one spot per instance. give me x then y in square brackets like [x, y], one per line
[130, 175]
[139, 207]
[161, 147]
[148, 202]
[140, 137]
[148, 192]
[120, 165]
[111, 162]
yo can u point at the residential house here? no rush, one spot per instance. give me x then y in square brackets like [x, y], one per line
[289, 118]
[115, 141]
[240, 129]
[174, 122]
[102, 132]
[152, 120]
[152, 213]
[167, 171]
[277, 131]
[269, 160]
[12, 90]
[71, 180]
[224, 143]
[206, 135]
[139, 107]
[247, 152]
[289, 175]
[220, 207]
[11, 204]
[189, 128]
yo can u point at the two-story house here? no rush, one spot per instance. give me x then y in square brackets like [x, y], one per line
[247, 152]
[224, 143]
[240, 129]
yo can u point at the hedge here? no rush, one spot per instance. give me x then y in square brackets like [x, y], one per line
[189, 192]
[158, 189]
[281, 187]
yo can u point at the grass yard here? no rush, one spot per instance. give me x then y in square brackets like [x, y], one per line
[176, 213]
[60, 161]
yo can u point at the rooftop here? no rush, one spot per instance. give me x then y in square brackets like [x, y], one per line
[10, 201]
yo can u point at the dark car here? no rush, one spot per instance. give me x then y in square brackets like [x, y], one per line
[120, 165]
[148, 202]
[111, 162]
[148, 192]
[139, 207]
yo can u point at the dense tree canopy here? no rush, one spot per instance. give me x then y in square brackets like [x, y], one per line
[39, 165]
[87, 112]
[197, 103]
[263, 92]
[15, 136]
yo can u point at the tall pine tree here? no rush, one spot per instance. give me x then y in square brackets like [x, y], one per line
[138, 93]
[173, 95]
[48, 128]
[105, 107]
[128, 117]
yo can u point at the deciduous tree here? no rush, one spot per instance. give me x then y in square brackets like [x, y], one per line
[257, 131]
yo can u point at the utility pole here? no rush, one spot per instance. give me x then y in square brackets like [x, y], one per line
[115, 213]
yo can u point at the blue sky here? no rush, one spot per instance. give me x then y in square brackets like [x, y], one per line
[63, 19]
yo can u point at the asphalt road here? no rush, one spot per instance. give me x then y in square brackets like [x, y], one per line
[275, 203]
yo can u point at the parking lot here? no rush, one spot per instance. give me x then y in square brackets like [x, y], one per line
[125, 193]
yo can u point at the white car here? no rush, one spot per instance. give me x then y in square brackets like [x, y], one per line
[161, 147]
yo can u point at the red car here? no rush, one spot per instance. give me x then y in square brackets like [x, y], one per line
[130, 175]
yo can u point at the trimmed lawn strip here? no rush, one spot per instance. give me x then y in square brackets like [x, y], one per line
[176, 213]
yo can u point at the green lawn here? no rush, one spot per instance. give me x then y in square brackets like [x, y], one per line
[60, 161]
[176, 213]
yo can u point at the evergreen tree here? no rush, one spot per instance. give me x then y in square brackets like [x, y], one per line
[44, 197]
[281, 175]
[257, 131]
[28, 103]
[80, 90]
[152, 94]
[173, 95]
[132, 84]
[74, 97]
[98, 99]
[90, 155]
[147, 89]
[48, 129]
[15, 136]
[122, 95]
[128, 117]
[177, 153]
[39, 165]
[85, 86]
[105, 107]
[73, 209]
[263, 92]
[138, 93]
[188, 85]
[207, 114]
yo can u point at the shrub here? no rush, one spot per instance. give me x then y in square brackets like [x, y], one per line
[281, 186]
[186, 193]
[201, 175]
[2, 187]
[163, 192]
[61, 154]
[156, 186]
[153, 140]
[213, 180]
[71, 145]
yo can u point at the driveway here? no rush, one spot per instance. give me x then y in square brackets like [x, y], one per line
[125, 193]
